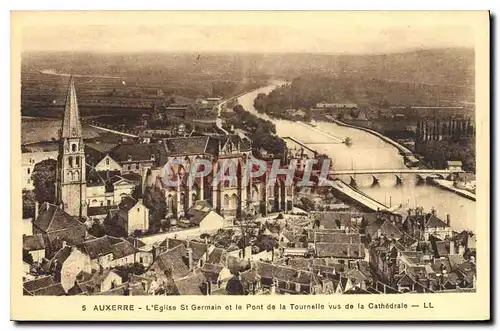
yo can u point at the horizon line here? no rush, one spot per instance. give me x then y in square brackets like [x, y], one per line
[235, 52]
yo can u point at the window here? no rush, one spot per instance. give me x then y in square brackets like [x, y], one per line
[102, 203]
[107, 161]
[77, 161]
[70, 161]
[73, 147]
[109, 202]
[137, 166]
[138, 209]
[29, 170]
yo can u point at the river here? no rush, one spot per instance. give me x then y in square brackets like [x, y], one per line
[370, 152]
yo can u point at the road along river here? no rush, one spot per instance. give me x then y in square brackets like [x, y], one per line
[370, 152]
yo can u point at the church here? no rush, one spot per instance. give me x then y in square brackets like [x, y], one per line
[93, 180]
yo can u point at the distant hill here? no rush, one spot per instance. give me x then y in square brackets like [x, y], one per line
[450, 66]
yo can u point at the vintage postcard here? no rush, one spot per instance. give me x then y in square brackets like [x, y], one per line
[180, 166]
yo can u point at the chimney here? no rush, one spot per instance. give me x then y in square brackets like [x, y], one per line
[154, 253]
[36, 210]
[190, 258]
[448, 219]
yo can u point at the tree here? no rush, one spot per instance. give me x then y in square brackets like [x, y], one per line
[154, 199]
[44, 179]
[97, 230]
[29, 200]
[238, 108]
[309, 116]
[247, 226]
[307, 203]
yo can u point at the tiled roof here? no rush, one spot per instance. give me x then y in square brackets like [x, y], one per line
[137, 152]
[340, 250]
[102, 147]
[123, 249]
[268, 270]
[192, 285]
[99, 210]
[33, 243]
[386, 227]
[300, 263]
[357, 290]
[198, 249]
[38, 283]
[414, 257]
[216, 256]
[293, 237]
[173, 260]
[62, 254]
[334, 220]
[249, 276]
[192, 145]
[136, 242]
[211, 271]
[73, 235]
[312, 232]
[356, 274]
[120, 290]
[53, 290]
[92, 155]
[97, 247]
[434, 222]
[198, 212]
[333, 237]
[133, 177]
[53, 218]
[127, 203]
[244, 145]
[441, 248]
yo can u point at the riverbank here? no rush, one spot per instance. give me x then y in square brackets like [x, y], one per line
[448, 185]
[369, 151]
[402, 149]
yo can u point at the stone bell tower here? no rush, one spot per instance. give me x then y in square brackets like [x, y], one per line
[71, 185]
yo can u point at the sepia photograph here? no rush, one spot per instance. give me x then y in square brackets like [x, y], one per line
[316, 154]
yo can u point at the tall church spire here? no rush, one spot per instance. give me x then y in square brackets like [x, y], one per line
[71, 127]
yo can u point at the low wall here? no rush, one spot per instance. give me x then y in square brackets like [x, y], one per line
[181, 234]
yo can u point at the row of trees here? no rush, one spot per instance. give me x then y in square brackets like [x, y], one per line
[44, 180]
[261, 132]
[438, 152]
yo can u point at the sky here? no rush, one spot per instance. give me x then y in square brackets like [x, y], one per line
[261, 32]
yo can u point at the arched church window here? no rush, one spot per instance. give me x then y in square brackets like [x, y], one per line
[234, 201]
[226, 200]
[73, 147]
[70, 161]
[77, 160]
